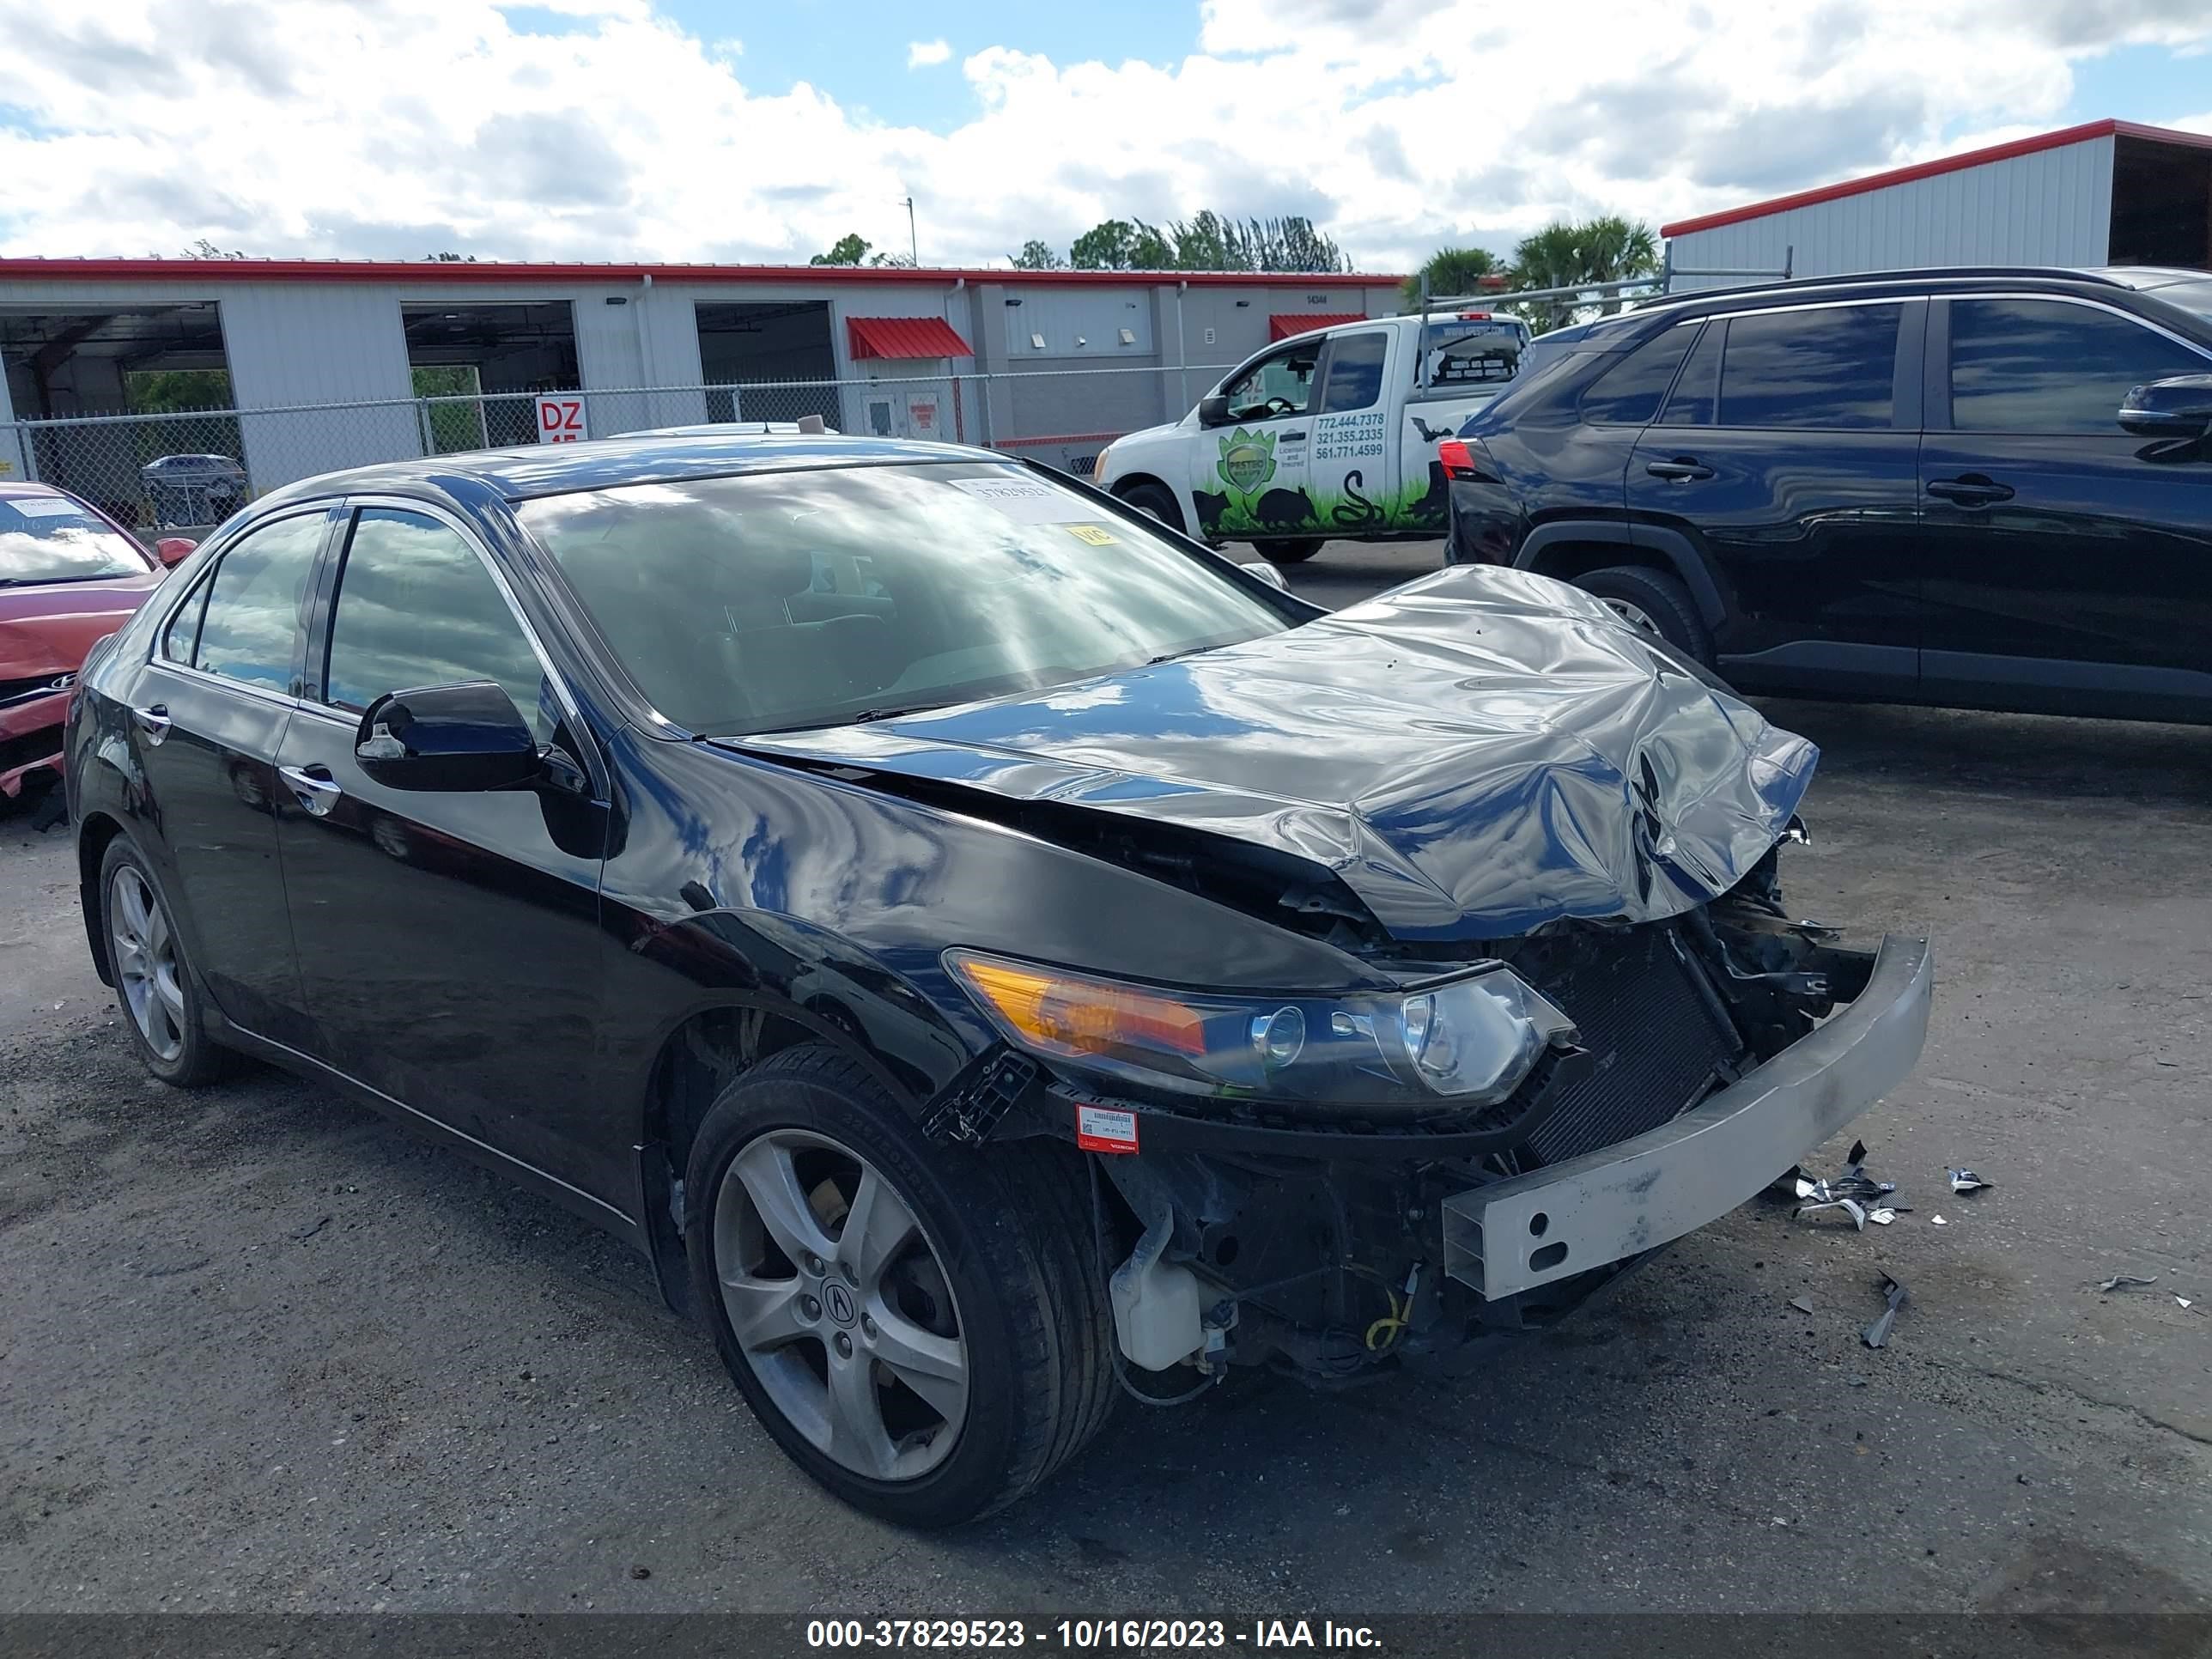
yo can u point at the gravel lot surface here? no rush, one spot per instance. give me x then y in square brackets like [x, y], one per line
[260, 1350]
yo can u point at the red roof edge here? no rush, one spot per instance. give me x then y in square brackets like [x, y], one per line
[1905, 175]
[429, 273]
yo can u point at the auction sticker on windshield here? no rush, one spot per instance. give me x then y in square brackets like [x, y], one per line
[1026, 500]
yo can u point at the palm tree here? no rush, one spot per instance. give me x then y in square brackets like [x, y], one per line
[1609, 249]
[1452, 271]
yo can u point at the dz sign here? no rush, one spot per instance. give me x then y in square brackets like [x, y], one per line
[560, 418]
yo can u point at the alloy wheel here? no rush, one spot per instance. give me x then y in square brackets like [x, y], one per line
[840, 1305]
[1633, 614]
[144, 949]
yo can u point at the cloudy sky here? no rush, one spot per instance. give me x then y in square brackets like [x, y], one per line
[683, 130]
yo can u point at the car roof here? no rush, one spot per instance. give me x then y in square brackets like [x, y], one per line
[14, 487]
[1958, 277]
[532, 470]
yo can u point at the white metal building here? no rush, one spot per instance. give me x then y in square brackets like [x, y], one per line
[2109, 192]
[79, 337]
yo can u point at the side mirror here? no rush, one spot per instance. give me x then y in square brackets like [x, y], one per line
[1214, 412]
[174, 551]
[1266, 573]
[2177, 408]
[451, 739]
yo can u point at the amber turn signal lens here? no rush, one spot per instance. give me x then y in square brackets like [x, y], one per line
[1062, 1013]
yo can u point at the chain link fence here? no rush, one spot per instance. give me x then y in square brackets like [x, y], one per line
[158, 473]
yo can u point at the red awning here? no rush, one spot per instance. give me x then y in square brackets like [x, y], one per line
[1285, 323]
[904, 337]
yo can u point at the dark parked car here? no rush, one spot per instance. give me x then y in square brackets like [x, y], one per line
[1989, 489]
[69, 576]
[988, 951]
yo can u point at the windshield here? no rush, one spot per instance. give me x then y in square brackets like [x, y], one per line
[50, 539]
[783, 600]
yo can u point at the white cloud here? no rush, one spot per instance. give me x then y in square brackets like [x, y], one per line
[323, 127]
[920, 54]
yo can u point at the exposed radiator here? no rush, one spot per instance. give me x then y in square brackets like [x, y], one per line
[1657, 1039]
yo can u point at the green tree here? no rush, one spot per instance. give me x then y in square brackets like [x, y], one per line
[1451, 271]
[850, 249]
[174, 390]
[450, 258]
[203, 249]
[1123, 244]
[1609, 249]
[1038, 255]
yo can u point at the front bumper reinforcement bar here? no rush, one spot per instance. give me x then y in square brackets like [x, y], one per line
[1621, 1200]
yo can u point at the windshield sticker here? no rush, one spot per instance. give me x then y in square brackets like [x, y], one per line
[1096, 535]
[1026, 500]
[46, 507]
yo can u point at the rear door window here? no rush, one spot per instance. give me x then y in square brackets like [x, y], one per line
[250, 630]
[1695, 400]
[1628, 393]
[1832, 366]
[2046, 366]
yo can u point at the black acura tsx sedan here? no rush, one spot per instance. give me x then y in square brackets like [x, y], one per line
[990, 952]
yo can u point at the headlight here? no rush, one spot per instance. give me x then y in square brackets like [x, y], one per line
[1467, 1043]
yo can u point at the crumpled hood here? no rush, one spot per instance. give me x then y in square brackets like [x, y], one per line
[1474, 754]
[47, 628]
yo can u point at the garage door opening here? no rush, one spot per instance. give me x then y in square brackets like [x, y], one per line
[2161, 204]
[159, 360]
[752, 356]
[494, 356]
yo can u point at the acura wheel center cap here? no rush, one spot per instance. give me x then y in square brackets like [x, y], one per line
[839, 1301]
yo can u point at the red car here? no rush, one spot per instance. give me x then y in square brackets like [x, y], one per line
[69, 575]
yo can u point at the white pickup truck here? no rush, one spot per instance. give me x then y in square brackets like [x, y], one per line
[1330, 435]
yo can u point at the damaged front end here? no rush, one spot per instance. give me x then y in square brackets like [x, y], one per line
[1703, 1055]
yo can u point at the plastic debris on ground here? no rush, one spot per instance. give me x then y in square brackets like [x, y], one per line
[1896, 1296]
[1854, 1192]
[1937, 1221]
[2122, 1281]
[1802, 1303]
[1966, 1181]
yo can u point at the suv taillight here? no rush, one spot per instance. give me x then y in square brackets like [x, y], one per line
[1456, 459]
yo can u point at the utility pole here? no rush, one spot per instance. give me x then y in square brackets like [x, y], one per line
[913, 241]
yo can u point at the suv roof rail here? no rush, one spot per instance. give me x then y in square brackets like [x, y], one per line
[1900, 273]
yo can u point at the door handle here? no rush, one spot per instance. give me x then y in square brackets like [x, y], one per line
[1971, 490]
[1683, 469]
[1287, 436]
[313, 787]
[154, 720]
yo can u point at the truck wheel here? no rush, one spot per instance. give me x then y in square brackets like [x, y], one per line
[1158, 500]
[1652, 602]
[161, 996]
[1291, 552]
[923, 1329]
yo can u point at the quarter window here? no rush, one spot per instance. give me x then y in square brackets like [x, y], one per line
[416, 607]
[1828, 366]
[1628, 393]
[2041, 366]
[1355, 372]
[249, 629]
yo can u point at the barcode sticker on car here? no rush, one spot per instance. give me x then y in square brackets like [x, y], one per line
[1102, 1129]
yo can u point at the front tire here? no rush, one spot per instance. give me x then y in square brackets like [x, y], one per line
[923, 1329]
[164, 1008]
[1155, 500]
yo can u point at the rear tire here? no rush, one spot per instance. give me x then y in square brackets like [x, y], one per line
[1291, 552]
[164, 1006]
[977, 1280]
[1651, 601]
[1158, 500]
